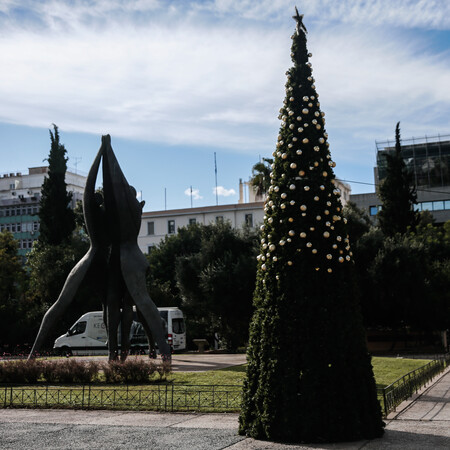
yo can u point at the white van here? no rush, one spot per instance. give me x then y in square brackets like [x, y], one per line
[176, 329]
[88, 335]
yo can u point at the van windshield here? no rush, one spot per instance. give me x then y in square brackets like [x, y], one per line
[78, 328]
[178, 326]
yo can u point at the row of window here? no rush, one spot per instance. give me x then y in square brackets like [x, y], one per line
[26, 243]
[19, 227]
[437, 205]
[171, 224]
[19, 210]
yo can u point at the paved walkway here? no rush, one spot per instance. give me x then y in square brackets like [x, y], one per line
[423, 423]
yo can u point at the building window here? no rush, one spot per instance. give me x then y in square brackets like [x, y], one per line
[150, 227]
[219, 219]
[418, 207]
[249, 220]
[438, 205]
[447, 204]
[150, 248]
[373, 210]
[427, 205]
[12, 186]
[35, 226]
[171, 226]
[192, 221]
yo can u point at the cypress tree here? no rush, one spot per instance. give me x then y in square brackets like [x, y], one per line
[57, 220]
[397, 194]
[309, 376]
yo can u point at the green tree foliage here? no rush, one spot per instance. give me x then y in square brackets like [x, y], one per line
[49, 266]
[161, 281]
[12, 280]
[261, 176]
[57, 220]
[397, 194]
[309, 376]
[217, 282]
[358, 222]
[404, 279]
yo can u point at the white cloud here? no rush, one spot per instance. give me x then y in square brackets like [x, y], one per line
[166, 72]
[406, 13]
[195, 193]
[220, 190]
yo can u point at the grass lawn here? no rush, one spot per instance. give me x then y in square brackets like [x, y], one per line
[388, 370]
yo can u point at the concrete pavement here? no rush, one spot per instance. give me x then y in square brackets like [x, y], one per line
[423, 423]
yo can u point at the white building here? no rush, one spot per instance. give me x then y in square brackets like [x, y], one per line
[19, 202]
[156, 225]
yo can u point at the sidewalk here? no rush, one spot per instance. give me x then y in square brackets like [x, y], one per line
[423, 423]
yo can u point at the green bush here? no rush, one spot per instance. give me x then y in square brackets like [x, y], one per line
[131, 371]
[70, 371]
[20, 371]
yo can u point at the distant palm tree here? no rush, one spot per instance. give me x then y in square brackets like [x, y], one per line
[261, 176]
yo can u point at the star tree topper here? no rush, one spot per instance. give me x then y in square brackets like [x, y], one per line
[299, 19]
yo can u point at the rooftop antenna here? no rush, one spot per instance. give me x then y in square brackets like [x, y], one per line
[215, 171]
[165, 199]
[76, 159]
[191, 196]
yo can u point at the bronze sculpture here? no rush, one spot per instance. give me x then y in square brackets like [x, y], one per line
[113, 260]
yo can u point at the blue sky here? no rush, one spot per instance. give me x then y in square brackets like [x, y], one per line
[175, 81]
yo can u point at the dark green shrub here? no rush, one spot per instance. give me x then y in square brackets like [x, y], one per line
[20, 371]
[70, 371]
[164, 369]
[131, 371]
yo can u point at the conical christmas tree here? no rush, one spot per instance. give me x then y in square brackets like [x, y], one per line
[309, 376]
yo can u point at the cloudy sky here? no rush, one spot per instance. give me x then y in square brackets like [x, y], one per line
[174, 82]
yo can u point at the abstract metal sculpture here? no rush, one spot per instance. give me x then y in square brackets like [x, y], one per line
[113, 260]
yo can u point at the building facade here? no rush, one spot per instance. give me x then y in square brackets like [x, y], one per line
[156, 225]
[19, 202]
[428, 161]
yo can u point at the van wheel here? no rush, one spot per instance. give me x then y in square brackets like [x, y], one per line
[66, 351]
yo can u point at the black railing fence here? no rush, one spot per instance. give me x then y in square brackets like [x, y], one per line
[176, 397]
[161, 397]
[391, 396]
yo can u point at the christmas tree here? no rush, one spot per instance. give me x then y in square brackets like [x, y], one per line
[397, 193]
[309, 376]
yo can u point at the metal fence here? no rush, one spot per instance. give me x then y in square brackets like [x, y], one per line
[391, 396]
[174, 397]
[162, 397]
